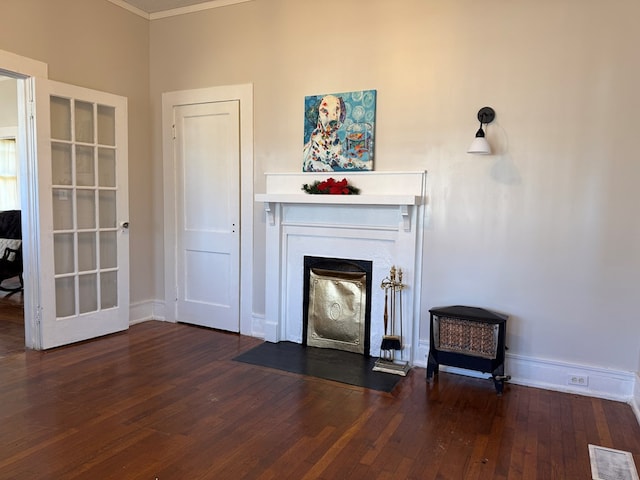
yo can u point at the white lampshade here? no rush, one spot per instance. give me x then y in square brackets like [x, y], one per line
[480, 146]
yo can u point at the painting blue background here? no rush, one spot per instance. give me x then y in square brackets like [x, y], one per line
[360, 109]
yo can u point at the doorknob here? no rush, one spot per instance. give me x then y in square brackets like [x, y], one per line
[124, 225]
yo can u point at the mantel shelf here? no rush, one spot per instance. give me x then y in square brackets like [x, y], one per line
[402, 202]
[338, 199]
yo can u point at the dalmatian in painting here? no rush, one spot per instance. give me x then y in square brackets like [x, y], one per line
[323, 152]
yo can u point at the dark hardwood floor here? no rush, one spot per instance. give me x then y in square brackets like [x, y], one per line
[167, 401]
[11, 320]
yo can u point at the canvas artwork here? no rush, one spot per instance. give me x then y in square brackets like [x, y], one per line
[339, 131]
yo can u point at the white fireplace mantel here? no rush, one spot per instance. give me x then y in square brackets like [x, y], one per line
[400, 189]
[382, 224]
[402, 202]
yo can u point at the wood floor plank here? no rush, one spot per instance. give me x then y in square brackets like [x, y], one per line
[381, 442]
[11, 323]
[167, 401]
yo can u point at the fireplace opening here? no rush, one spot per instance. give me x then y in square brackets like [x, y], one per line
[337, 303]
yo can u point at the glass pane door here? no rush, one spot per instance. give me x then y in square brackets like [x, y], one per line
[84, 198]
[83, 257]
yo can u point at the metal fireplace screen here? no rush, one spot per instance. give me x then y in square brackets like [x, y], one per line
[336, 310]
[466, 336]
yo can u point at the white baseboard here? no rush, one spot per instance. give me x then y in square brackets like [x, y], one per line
[257, 325]
[635, 401]
[147, 310]
[555, 375]
[155, 310]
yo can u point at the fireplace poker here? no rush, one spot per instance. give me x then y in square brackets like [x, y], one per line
[386, 312]
[386, 285]
[390, 342]
[400, 287]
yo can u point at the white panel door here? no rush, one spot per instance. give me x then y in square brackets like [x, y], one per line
[83, 212]
[207, 153]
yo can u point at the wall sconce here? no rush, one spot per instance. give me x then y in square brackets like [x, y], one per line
[480, 145]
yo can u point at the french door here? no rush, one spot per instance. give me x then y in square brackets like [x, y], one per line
[82, 206]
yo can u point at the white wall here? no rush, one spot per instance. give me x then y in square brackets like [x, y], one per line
[546, 229]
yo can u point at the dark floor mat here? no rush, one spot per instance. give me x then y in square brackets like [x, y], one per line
[337, 365]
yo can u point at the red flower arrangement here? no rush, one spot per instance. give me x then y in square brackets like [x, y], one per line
[331, 186]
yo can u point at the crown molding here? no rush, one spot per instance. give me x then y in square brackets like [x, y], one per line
[195, 8]
[131, 8]
[176, 11]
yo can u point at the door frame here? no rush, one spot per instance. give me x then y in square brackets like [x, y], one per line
[24, 70]
[244, 94]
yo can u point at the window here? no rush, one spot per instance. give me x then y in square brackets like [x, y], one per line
[9, 197]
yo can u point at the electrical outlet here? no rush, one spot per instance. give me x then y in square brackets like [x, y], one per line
[580, 380]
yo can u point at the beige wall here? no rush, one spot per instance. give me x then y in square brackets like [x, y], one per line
[95, 44]
[546, 229]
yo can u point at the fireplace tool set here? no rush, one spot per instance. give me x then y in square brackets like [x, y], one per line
[392, 338]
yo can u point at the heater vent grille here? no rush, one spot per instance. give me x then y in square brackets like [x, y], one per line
[465, 336]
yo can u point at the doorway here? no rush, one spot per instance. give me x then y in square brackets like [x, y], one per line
[209, 248]
[207, 169]
[12, 335]
[44, 152]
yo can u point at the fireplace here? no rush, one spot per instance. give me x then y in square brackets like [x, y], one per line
[336, 307]
[383, 225]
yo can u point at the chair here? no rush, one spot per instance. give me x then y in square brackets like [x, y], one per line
[11, 249]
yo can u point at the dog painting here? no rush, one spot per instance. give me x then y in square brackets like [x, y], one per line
[339, 131]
